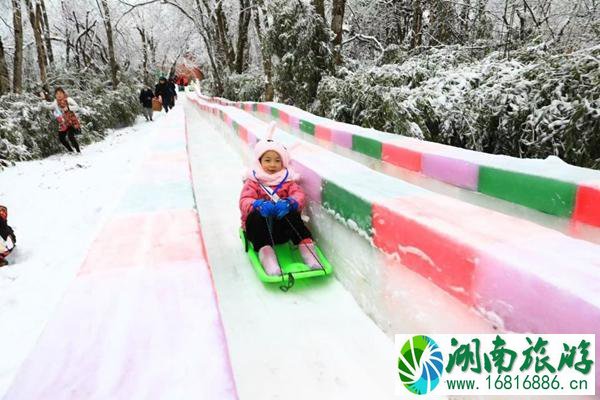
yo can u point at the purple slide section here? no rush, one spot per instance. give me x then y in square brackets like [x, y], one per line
[310, 181]
[511, 293]
[294, 122]
[341, 138]
[450, 170]
[252, 139]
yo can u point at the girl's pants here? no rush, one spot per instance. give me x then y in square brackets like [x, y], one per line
[62, 136]
[290, 227]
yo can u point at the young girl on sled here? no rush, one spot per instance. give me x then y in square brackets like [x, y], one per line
[271, 202]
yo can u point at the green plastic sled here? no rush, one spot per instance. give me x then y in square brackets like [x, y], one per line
[290, 261]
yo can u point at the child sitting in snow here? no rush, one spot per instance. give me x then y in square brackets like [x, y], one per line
[7, 236]
[271, 202]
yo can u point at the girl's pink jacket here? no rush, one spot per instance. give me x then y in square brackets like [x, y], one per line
[252, 191]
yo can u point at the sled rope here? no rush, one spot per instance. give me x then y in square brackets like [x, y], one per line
[284, 286]
[306, 246]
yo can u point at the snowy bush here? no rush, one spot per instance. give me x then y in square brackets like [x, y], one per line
[28, 129]
[534, 105]
[249, 86]
[207, 87]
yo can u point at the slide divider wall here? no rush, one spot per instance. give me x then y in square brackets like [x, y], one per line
[529, 278]
[556, 191]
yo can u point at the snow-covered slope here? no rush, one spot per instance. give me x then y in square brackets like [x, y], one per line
[56, 207]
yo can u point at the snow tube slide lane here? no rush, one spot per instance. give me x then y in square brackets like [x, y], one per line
[550, 186]
[312, 342]
[141, 319]
[490, 261]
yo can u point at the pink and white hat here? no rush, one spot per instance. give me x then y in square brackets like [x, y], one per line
[261, 147]
[266, 144]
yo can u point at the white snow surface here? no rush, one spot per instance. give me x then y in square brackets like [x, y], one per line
[56, 207]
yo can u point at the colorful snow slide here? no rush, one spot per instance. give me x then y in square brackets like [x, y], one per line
[141, 320]
[527, 277]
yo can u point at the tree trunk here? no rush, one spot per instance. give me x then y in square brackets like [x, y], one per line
[208, 33]
[144, 56]
[47, 32]
[337, 20]
[111, 48]
[4, 78]
[266, 59]
[36, 25]
[18, 56]
[67, 48]
[320, 7]
[223, 36]
[465, 20]
[244, 21]
[152, 48]
[417, 24]
[76, 43]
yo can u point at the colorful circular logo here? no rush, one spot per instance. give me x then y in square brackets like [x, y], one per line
[420, 364]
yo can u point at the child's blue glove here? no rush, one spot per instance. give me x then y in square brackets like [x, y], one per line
[284, 206]
[266, 208]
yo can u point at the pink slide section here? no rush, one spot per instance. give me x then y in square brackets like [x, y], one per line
[141, 320]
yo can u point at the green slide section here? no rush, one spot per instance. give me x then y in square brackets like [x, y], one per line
[307, 127]
[290, 261]
[275, 112]
[347, 205]
[548, 195]
[368, 146]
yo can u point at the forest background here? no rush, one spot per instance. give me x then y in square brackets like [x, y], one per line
[514, 77]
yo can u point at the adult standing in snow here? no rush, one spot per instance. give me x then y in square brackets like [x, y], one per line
[64, 109]
[146, 97]
[163, 90]
[7, 236]
[173, 88]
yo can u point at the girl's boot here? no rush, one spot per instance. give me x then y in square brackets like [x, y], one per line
[268, 259]
[309, 253]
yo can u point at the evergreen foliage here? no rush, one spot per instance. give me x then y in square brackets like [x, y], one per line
[298, 40]
[535, 105]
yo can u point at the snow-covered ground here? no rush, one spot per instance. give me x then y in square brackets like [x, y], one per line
[56, 207]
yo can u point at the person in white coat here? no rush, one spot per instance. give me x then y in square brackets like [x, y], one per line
[64, 109]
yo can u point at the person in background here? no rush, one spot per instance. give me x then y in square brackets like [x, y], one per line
[146, 96]
[8, 240]
[173, 88]
[64, 109]
[163, 90]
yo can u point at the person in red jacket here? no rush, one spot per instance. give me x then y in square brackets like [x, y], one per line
[271, 202]
[8, 240]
